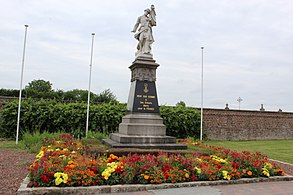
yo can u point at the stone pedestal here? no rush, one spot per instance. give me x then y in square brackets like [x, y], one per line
[142, 126]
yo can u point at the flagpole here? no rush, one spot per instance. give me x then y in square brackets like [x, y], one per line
[89, 90]
[20, 88]
[201, 110]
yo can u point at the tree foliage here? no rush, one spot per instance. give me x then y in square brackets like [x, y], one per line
[39, 86]
[181, 103]
[42, 89]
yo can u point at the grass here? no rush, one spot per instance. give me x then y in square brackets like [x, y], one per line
[275, 149]
[9, 145]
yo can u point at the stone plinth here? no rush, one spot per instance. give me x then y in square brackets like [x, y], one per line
[142, 126]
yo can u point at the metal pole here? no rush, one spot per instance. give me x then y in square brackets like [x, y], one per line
[89, 91]
[20, 88]
[201, 110]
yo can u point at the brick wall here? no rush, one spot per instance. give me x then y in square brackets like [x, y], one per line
[220, 124]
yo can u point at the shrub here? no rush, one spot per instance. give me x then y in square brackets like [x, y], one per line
[181, 121]
[51, 116]
[33, 142]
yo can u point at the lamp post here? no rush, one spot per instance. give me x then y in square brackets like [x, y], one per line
[20, 88]
[89, 90]
[201, 110]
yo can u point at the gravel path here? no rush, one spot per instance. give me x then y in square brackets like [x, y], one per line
[13, 165]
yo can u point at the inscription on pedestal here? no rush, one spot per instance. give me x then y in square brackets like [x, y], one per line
[145, 97]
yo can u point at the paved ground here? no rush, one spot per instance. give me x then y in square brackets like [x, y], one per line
[267, 188]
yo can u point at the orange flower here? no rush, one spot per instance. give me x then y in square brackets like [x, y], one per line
[283, 173]
[249, 173]
[186, 175]
[244, 171]
[146, 177]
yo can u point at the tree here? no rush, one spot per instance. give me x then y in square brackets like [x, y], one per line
[181, 103]
[77, 95]
[106, 96]
[40, 86]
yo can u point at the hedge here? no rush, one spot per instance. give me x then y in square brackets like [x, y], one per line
[53, 116]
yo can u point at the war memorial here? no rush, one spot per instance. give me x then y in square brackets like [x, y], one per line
[142, 126]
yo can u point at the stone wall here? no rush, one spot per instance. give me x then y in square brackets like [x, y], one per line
[220, 124]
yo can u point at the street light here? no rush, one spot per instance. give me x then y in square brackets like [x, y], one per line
[20, 88]
[89, 91]
[201, 110]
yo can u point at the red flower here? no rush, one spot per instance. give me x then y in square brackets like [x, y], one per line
[45, 178]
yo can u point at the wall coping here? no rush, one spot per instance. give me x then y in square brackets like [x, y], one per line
[244, 111]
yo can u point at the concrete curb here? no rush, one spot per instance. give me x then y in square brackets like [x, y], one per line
[23, 190]
[278, 161]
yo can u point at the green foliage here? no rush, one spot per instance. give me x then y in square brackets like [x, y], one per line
[9, 92]
[51, 116]
[97, 135]
[94, 138]
[181, 121]
[42, 89]
[33, 142]
[1, 126]
[181, 103]
[39, 86]
[106, 96]
[76, 94]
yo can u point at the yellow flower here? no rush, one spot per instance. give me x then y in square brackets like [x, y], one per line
[198, 170]
[109, 170]
[58, 181]
[73, 152]
[266, 172]
[218, 159]
[225, 175]
[60, 177]
[40, 155]
[187, 175]
[268, 165]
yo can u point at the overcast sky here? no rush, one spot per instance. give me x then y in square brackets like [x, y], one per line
[248, 48]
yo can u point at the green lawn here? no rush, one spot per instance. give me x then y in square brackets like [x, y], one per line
[275, 149]
[9, 145]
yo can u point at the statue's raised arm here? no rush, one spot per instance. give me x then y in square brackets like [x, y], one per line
[143, 32]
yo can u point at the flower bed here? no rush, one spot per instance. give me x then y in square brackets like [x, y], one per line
[65, 162]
